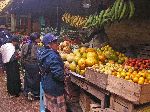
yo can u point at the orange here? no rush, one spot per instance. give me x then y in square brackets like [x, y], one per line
[127, 77]
[128, 73]
[135, 72]
[132, 76]
[135, 79]
[137, 75]
[140, 82]
[143, 75]
[146, 81]
[141, 78]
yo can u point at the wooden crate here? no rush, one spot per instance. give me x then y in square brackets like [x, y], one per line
[120, 104]
[138, 94]
[84, 101]
[99, 93]
[96, 78]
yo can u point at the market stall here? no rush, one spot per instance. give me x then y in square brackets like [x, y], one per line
[119, 80]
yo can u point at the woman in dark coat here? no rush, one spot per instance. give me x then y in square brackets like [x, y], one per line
[52, 68]
[30, 64]
[10, 60]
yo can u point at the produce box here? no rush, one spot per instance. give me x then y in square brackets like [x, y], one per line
[120, 104]
[138, 94]
[99, 79]
[84, 101]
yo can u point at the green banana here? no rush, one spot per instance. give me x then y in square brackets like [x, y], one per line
[120, 8]
[101, 16]
[113, 18]
[132, 8]
[106, 20]
[107, 13]
[116, 9]
[88, 20]
[123, 11]
[113, 9]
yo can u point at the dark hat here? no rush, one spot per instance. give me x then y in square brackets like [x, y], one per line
[48, 38]
[34, 36]
[15, 39]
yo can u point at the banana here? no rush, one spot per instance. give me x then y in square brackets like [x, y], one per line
[106, 13]
[88, 20]
[101, 16]
[116, 9]
[120, 8]
[113, 9]
[123, 11]
[104, 21]
[132, 8]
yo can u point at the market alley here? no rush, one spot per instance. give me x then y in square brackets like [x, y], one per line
[15, 104]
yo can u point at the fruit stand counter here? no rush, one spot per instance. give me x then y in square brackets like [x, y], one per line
[99, 93]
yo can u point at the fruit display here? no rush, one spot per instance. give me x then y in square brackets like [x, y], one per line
[105, 60]
[76, 21]
[87, 57]
[108, 68]
[80, 59]
[65, 47]
[140, 77]
[106, 54]
[121, 9]
[138, 64]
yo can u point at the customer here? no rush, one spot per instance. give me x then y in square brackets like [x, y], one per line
[30, 64]
[10, 61]
[52, 68]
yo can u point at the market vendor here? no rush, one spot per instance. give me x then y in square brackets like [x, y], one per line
[97, 38]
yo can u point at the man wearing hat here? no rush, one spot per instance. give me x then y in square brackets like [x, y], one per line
[52, 68]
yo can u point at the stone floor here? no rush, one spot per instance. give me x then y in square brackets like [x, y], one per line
[16, 104]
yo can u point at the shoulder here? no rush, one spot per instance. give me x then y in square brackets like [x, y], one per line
[25, 45]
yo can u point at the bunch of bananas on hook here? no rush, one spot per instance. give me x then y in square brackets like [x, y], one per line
[121, 9]
[76, 21]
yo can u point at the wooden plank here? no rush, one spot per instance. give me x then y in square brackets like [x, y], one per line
[133, 92]
[121, 105]
[97, 92]
[96, 78]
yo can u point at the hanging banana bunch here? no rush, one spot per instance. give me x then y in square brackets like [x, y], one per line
[76, 21]
[121, 9]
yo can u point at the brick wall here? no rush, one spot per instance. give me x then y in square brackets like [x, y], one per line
[134, 31]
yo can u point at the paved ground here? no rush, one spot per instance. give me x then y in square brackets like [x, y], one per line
[16, 104]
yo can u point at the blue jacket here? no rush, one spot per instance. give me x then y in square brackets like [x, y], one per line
[52, 68]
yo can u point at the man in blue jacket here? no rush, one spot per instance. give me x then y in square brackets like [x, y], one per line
[52, 68]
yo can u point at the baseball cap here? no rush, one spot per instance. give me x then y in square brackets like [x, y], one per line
[48, 38]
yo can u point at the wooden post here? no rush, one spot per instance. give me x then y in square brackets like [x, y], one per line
[13, 22]
[29, 24]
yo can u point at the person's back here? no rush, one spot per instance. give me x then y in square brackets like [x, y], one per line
[30, 64]
[28, 54]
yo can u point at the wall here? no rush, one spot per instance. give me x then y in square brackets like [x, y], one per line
[134, 31]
